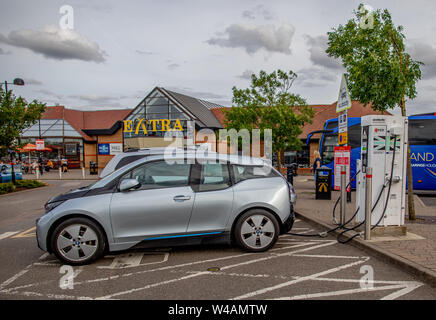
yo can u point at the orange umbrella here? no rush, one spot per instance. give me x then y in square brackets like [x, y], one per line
[27, 148]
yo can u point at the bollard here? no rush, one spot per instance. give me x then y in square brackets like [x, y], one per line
[60, 173]
[343, 194]
[37, 173]
[83, 173]
[368, 203]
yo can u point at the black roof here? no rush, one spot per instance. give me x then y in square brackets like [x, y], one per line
[199, 108]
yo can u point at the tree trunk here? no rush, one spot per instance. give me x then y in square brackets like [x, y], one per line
[411, 202]
[279, 160]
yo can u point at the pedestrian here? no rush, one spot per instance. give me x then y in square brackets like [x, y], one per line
[41, 166]
[316, 163]
[64, 165]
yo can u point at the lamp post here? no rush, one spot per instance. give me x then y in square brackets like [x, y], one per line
[17, 82]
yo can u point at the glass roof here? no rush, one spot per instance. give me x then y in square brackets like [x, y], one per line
[50, 128]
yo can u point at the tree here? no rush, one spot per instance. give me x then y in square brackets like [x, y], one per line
[15, 116]
[269, 104]
[380, 72]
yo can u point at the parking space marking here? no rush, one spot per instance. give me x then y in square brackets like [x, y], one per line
[26, 233]
[305, 278]
[341, 292]
[287, 245]
[7, 234]
[201, 273]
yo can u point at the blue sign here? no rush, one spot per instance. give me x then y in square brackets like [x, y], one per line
[103, 148]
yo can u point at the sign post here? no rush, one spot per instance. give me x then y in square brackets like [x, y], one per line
[344, 103]
[39, 144]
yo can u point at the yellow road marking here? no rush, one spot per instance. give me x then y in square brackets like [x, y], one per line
[26, 233]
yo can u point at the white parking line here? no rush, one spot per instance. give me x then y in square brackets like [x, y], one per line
[201, 273]
[7, 234]
[288, 283]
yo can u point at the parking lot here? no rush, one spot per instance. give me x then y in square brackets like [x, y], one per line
[296, 268]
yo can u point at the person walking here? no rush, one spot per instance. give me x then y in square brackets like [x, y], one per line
[41, 166]
[64, 165]
[316, 163]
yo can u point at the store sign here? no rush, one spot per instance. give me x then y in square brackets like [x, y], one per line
[141, 124]
[103, 148]
[115, 148]
[342, 157]
[39, 144]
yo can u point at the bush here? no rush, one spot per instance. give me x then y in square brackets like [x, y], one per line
[29, 184]
[26, 184]
[7, 187]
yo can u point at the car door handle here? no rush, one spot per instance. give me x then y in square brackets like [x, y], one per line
[181, 198]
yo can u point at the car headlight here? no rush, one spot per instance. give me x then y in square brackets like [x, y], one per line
[49, 206]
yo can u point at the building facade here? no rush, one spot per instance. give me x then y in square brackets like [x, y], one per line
[79, 136]
[163, 111]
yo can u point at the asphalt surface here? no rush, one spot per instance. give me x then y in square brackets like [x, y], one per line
[296, 268]
[429, 201]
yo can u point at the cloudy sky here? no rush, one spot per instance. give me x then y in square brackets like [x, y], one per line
[115, 52]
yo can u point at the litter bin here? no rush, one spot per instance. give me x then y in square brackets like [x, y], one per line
[93, 167]
[323, 183]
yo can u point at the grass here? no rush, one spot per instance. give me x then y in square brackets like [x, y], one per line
[8, 187]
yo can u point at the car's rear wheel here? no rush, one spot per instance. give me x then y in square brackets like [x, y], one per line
[78, 241]
[256, 230]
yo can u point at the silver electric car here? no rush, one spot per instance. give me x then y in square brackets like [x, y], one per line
[154, 202]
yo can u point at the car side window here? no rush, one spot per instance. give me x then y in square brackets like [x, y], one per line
[214, 176]
[126, 160]
[160, 174]
[243, 172]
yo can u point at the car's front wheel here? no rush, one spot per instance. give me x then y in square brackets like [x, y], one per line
[78, 241]
[256, 230]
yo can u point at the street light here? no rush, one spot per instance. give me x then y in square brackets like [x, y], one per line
[17, 82]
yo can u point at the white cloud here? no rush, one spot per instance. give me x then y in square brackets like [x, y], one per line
[55, 43]
[3, 52]
[426, 53]
[246, 74]
[31, 81]
[258, 10]
[318, 56]
[315, 77]
[253, 38]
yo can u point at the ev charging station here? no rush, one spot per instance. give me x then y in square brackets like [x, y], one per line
[384, 150]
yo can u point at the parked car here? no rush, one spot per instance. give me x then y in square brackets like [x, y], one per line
[152, 202]
[6, 173]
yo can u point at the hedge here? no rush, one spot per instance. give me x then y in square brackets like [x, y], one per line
[20, 184]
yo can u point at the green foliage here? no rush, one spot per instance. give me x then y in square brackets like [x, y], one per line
[15, 116]
[7, 187]
[269, 104]
[27, 184]
[379, 70]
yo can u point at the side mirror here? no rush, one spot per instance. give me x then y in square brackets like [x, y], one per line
[129, 184]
